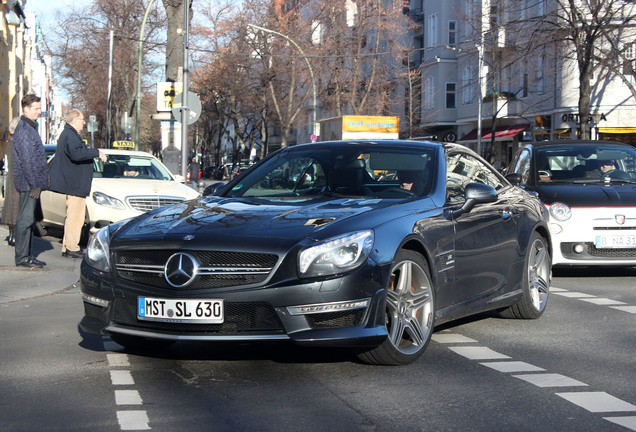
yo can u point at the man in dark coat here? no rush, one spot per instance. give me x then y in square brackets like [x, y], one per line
[72, 174]
[195, 170]
[30, 177]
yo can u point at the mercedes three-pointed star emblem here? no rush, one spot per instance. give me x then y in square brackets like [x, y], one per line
[181, 269]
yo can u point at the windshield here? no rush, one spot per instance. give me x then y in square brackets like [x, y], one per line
[346, 170]
[130, 166]
[585, 163]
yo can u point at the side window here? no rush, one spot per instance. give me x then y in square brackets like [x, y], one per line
[522, 165]
[462, 169]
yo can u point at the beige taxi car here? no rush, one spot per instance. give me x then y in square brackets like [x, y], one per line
[128, 184]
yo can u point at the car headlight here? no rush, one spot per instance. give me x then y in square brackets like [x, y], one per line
[108, 201]
[97, 251]
[335, 255]
[560, 211]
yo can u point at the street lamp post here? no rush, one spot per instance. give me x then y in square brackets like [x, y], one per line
[311, 71]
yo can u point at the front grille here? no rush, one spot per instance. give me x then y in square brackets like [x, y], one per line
[256, 317]
[146, 203]
[592, 252]
[338, 319]
[237, 268]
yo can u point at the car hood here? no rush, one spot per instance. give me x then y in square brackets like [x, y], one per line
[221, 220]
[122, 188]
[588, 195]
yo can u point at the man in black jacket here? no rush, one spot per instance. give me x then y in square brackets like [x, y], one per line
[72, 174]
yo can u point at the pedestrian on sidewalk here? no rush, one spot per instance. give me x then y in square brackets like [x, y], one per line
[71, 172]
[11, 195]
[30, 176]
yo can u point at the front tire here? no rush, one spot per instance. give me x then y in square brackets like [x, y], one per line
[536, 281]
[409, 313]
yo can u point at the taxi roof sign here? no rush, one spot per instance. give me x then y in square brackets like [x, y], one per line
[124, 144]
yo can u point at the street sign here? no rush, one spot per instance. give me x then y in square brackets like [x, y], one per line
[194, 107]
[166, 91]
[313, 137]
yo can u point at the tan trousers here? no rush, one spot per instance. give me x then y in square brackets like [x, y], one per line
[75, 214]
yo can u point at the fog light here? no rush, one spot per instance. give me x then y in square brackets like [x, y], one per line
[95, 300]
[579, 248]
[328, 307]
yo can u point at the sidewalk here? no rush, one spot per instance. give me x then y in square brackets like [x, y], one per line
[22, 283]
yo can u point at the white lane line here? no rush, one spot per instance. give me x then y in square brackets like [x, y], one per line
[551, 380]
[478, 353]
[121, 377]
[574, 294]
[598, 402]
[118, 360]
[513, 366]
[446, 338]
[133, 420]
[628, 422]
[555, 289]
[602, 301]
[127, 397]
[630, 309]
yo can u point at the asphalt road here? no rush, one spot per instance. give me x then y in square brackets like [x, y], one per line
[573, 369]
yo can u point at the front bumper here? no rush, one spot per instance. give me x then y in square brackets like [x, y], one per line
[595, 236]
[251, 313]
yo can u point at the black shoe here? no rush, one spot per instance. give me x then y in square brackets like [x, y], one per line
[72, 254]
[30, 262]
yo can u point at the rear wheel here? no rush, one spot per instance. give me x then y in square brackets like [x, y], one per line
[409, 314]
[536, 281]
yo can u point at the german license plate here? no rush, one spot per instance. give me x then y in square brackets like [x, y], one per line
[616, 242]
[180, 310]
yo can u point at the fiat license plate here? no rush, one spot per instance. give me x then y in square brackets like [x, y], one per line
[180, 310]
[616, 242]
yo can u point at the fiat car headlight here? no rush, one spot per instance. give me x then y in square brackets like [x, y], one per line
[108, 201]
[560, 211]
[97, 251]
[335, 255]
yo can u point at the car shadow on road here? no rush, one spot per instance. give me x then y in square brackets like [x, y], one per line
[599, 271]
[277, 351]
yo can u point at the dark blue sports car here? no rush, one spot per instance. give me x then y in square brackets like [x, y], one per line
[362, 244]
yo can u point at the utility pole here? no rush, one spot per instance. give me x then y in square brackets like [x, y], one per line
[184, 104]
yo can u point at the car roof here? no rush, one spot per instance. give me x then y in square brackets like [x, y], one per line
[576, 143]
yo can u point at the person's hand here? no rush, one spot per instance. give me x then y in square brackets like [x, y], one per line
[35, 193]
[102, 156]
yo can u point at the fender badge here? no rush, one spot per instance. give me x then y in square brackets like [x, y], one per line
[188, 237]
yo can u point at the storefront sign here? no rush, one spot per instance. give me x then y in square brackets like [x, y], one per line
[575, 118]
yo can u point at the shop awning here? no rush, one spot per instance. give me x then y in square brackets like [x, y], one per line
[502, 133]
[617, 130]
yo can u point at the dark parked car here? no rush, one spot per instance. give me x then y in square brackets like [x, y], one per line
[588, 187]
[345, 256]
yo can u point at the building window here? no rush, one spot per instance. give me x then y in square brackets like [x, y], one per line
[452, 34]
[540, 76]
[451, 96]
[432, 31]
[429, 94]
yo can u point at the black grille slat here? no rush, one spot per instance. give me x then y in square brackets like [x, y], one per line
[591, 252]
[336, 319]
[239, 318]
[230, 260]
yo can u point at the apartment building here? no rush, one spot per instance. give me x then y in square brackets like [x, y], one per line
[476, 73]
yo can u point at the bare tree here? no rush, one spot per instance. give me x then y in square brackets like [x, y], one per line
[80, 45]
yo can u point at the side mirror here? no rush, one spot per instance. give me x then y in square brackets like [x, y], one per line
[213, 188]
[514, 178]
[475, 193]
[179, 178]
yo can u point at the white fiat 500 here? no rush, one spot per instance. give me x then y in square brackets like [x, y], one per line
[589, 188]
[128, 184]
